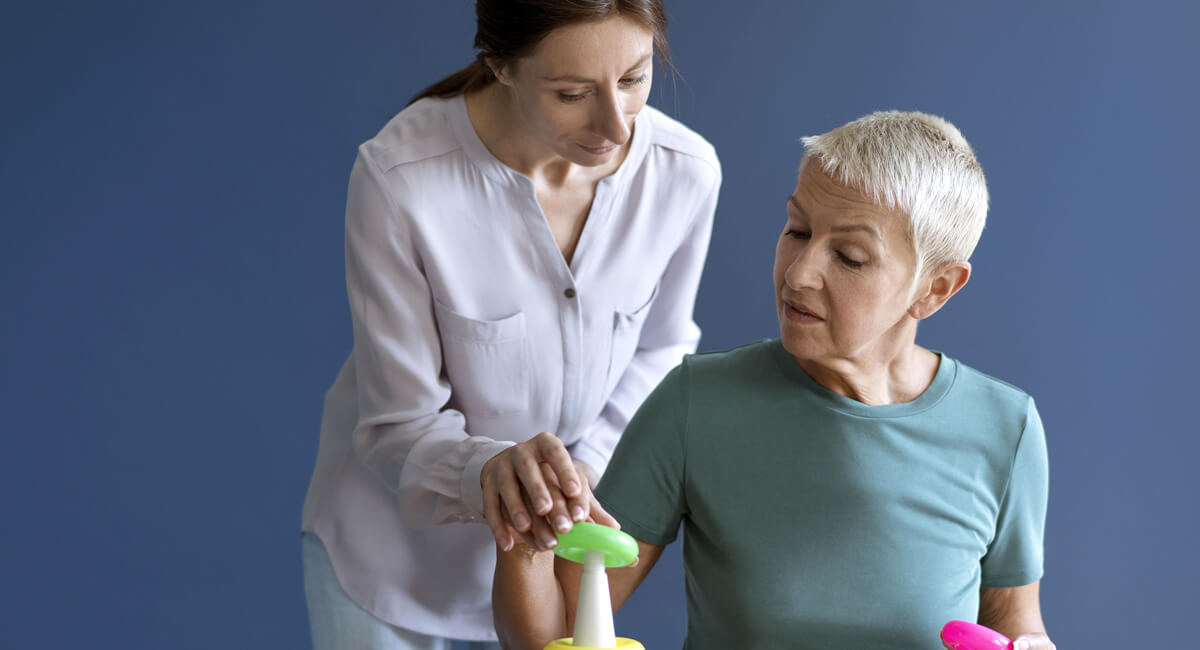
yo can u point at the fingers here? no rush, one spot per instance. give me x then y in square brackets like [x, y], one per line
[557, 517]
[540, 535]
[509, 491]
[529, 471]
[581, 505]
[552, 450]
[494, 516]
[1033, 642]
[535, 489]
[601, 516]
[527, 538]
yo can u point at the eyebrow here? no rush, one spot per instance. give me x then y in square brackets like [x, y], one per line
[584, 80]
[849, 227]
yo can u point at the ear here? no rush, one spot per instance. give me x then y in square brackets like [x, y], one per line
[939, 286]
[500, 70]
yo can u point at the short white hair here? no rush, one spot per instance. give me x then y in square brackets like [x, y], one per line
[917, 163]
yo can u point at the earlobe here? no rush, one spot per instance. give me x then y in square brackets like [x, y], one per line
[942, 285]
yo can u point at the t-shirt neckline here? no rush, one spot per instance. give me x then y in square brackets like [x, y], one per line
[943, 380]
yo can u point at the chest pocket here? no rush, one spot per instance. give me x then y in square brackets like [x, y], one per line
[627, 331]
[486, 362]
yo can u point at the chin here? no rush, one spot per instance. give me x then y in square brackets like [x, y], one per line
[796, 343]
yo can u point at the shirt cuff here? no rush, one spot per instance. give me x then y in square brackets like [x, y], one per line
[469, 487]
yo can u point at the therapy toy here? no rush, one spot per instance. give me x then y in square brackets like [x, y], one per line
[595, 547]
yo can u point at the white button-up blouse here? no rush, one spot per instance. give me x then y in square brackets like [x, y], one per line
[473, 333]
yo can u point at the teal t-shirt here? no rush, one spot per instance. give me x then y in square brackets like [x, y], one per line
[815, 521]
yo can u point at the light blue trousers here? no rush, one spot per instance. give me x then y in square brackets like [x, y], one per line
[337, 623]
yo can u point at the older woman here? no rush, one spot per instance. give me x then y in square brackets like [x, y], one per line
[841, 486]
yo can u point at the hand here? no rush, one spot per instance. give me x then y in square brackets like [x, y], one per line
[1026, 642]
[534, 488]
[1033, 642]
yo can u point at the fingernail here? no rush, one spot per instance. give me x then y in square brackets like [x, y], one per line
[562, 524]
[550, 542]
[543, 505]
[578, 514]
[521, 522]
[1021, 644]
[571, 488]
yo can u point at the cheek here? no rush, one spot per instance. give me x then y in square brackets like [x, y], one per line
[635, 102]
[547, 117]
[554, 123]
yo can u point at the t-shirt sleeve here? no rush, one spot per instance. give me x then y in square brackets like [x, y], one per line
[1014, 557]
[643, 486]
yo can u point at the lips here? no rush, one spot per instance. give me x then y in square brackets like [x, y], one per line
[599, 150]
[799, 313]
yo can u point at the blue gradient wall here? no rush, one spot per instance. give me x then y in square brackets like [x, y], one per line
[172, 180]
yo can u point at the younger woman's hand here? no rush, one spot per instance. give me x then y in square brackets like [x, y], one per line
[535, 488]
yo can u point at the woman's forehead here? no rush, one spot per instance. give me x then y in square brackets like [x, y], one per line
[593, 49]
[818, 194]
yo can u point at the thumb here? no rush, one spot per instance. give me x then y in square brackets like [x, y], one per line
[601, 516]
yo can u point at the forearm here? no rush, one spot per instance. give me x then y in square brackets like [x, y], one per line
[431, 464]
[1014, 612]
[527, 602]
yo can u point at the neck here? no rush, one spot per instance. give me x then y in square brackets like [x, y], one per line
[891, 374]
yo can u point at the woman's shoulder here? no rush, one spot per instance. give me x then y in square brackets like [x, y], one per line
[738, 366]
[424, 130]
[672, 135]
[987, 392]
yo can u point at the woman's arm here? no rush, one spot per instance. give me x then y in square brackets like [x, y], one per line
[528, 606]
[1015, 612]
[419, 449]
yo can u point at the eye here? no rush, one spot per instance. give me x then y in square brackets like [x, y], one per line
[850, 262]
[570, 97]
[797, 234]
[631, 82]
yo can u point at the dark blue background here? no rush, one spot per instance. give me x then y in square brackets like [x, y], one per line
[172, 179]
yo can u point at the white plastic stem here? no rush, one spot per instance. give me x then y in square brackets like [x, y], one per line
[593, 614]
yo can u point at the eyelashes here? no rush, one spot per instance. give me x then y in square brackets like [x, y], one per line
[571, 98]
[842, 257]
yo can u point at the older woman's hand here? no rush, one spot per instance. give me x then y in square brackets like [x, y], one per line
[1033, 642]
[1023, 642]
[535, 488]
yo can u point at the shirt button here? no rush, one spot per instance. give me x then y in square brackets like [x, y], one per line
[570, 293]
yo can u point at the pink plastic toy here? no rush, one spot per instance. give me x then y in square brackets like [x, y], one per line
[971, 636]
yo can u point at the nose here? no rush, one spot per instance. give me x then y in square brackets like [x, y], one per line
[804, 271]
[609, 118]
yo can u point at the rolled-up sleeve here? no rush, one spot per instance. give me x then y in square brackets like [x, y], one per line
[418, 448]
[669, 333]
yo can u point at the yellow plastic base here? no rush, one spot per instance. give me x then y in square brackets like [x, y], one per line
[565, 644]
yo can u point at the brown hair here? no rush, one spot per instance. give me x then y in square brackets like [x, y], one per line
[507, 30]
